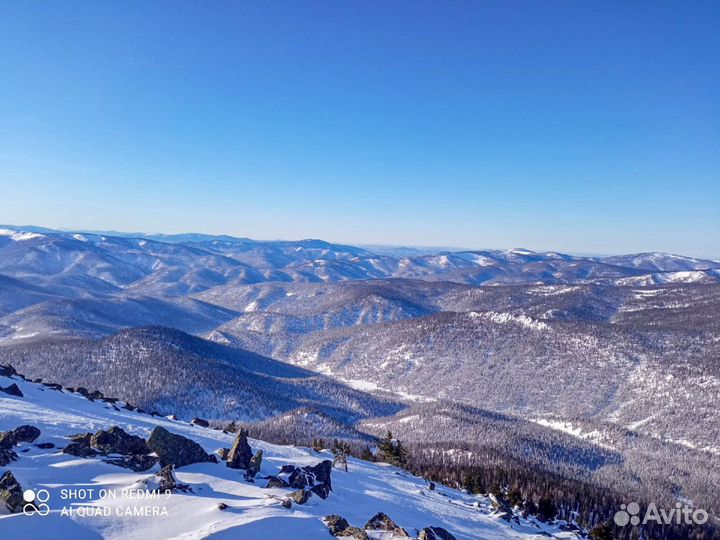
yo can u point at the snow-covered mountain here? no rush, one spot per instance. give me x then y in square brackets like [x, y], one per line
[84, 496]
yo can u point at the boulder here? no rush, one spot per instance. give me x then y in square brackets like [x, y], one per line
[200, 422]
[80, 446]
[321, 490]
[335, 524]
[222, 453]
[11, 494]
[240, 454]
[254, 465]
[431, 486]
[354, 532]
[45, 445]
[222, 506]
[435, 533]
[164, 480]
[12, 390]
[300, 496]
[275, 482]
[175, 449]
[116, 441]
[25, 433]
[382, 522]
[286, 503]
[6, 456]
[321, 472]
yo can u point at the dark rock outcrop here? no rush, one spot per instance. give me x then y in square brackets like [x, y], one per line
[435, 533]
[80, 446]
[164, 480]
[12, 390]
[335, 524]
[317, 478]
[276, 482]
[25, 433]
[222, 453]
[200, 422]
[240, 454]
[382, 522]
[11, 494]
[116, 441]
[254, 466]
[300, 496]
[177, 450]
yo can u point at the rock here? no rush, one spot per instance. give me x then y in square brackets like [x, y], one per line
[12, 390]
[134, 462]
[80, 446]
[11, 494]
[92, 396]
[254, 465]
[175, 449]
[230, 428]
[382, 522]
[300, 478]
[6, 370]
[286, 503]
[222, 453]
[289, 469]
[300, 496]
[431, 486]
[164, 480]
[222, 506]
[240, 454]
[275, 482]
[116, 441]
[321, 490]
[6, 456]
[335, 524]
[200, 422]
[45, 445]
[321, 472]
[25, 433]
[354, 532]
[53, 386]
[435, 533]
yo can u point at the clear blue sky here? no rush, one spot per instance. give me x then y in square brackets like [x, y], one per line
[576, 126]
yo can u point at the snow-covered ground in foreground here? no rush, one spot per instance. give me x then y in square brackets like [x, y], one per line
[253, 512]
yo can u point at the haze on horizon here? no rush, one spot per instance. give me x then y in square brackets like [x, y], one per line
[581, 128]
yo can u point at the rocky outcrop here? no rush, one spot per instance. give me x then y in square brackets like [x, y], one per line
[335, 524]
[12, 390]
[240, 454]
[275, 482]
[11, 494]
[435, 533]
[177, 450]
[128, 451]
[25, 433]
[200, 422]
[80, 446]
[316, 478]
[164, 481]
[116, 441]
[254, 466]
[222, 453]
[300, 496]
[382, 522]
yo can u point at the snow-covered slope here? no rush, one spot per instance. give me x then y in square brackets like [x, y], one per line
[252, 511]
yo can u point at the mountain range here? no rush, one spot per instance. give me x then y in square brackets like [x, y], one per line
[506, 349]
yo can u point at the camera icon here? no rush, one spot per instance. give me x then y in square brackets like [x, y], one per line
[35, 502]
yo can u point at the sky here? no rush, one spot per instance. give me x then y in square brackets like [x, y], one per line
[585, 127]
